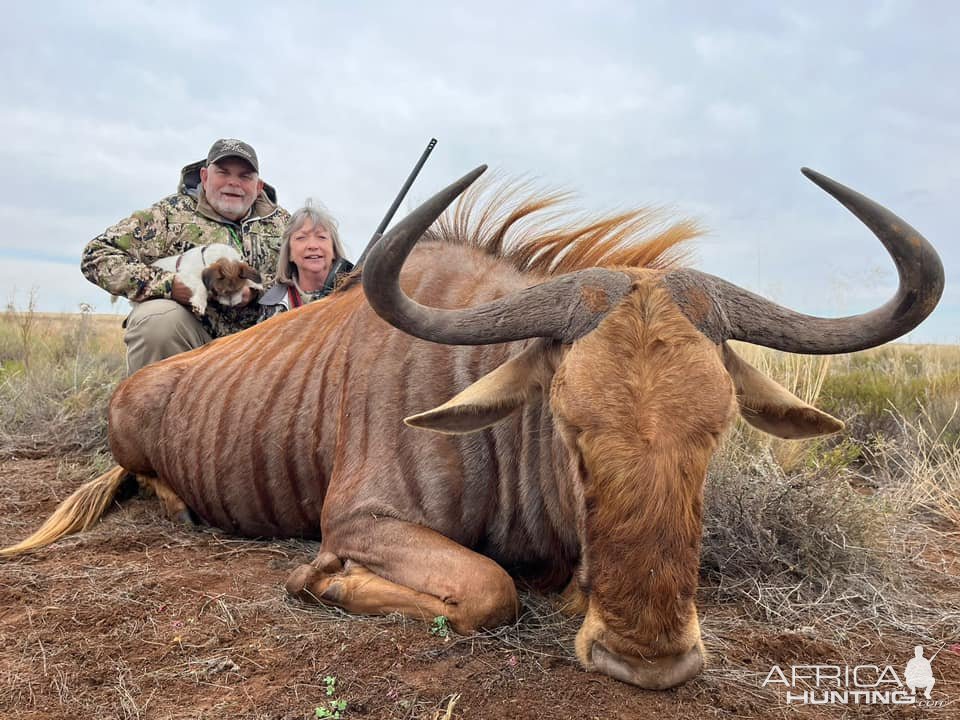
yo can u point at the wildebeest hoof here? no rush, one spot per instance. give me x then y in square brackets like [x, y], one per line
[309, 584]
[300, 579]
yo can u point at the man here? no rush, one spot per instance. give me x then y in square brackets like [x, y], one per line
[219, 200]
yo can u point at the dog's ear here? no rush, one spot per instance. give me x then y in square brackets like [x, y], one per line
[249, 273]
[210, 275]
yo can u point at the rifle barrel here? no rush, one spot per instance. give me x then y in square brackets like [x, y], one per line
[399, 199]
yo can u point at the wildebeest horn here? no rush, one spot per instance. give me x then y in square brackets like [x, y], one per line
[564, 308]
[724, 311]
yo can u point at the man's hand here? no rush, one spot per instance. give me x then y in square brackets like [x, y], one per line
[180, 292]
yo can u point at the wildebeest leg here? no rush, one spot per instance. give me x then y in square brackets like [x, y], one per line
[412, 570]
[355, 589]
[173, 507]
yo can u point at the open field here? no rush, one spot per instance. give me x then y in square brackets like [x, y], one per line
[841, 551]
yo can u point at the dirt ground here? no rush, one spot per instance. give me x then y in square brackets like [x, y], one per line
[141, 618]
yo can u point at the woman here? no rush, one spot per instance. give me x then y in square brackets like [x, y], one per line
[310, 257]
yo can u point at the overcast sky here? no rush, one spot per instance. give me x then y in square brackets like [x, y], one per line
[708, 108]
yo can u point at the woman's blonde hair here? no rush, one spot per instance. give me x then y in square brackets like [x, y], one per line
[318, 215]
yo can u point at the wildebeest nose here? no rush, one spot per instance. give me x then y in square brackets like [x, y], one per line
[658, 674]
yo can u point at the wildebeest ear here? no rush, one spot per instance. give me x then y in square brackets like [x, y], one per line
[249, 273]
[772, 408]
[494, 396]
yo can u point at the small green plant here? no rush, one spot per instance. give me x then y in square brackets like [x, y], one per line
[337, 708]
[440, 627]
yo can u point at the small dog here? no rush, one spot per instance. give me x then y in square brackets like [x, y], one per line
[214, 272]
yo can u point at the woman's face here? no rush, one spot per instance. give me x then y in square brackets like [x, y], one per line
[311, 250]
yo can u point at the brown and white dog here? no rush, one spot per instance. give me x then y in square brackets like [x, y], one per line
[214, 272]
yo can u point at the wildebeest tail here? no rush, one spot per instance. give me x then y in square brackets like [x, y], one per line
[75, 514]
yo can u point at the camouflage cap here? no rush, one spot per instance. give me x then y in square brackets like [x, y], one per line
[231, 147]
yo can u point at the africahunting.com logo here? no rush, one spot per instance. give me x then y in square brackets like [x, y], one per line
[858, 684]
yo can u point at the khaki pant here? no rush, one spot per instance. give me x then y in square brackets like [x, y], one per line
[157, 329]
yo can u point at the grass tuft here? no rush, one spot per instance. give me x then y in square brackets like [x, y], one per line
[55, 381]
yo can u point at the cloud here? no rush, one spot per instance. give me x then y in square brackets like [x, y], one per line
[733, 117]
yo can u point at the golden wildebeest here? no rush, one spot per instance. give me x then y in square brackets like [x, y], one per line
[598, 382]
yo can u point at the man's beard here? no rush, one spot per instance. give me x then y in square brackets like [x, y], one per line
[231, 207]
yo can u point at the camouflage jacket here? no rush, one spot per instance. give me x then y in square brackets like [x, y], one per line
[118, 260]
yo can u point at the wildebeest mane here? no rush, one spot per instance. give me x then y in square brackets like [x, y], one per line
[540, 232]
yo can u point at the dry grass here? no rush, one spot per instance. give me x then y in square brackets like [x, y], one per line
[833, 533]
[55, 381]
[932, 465]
